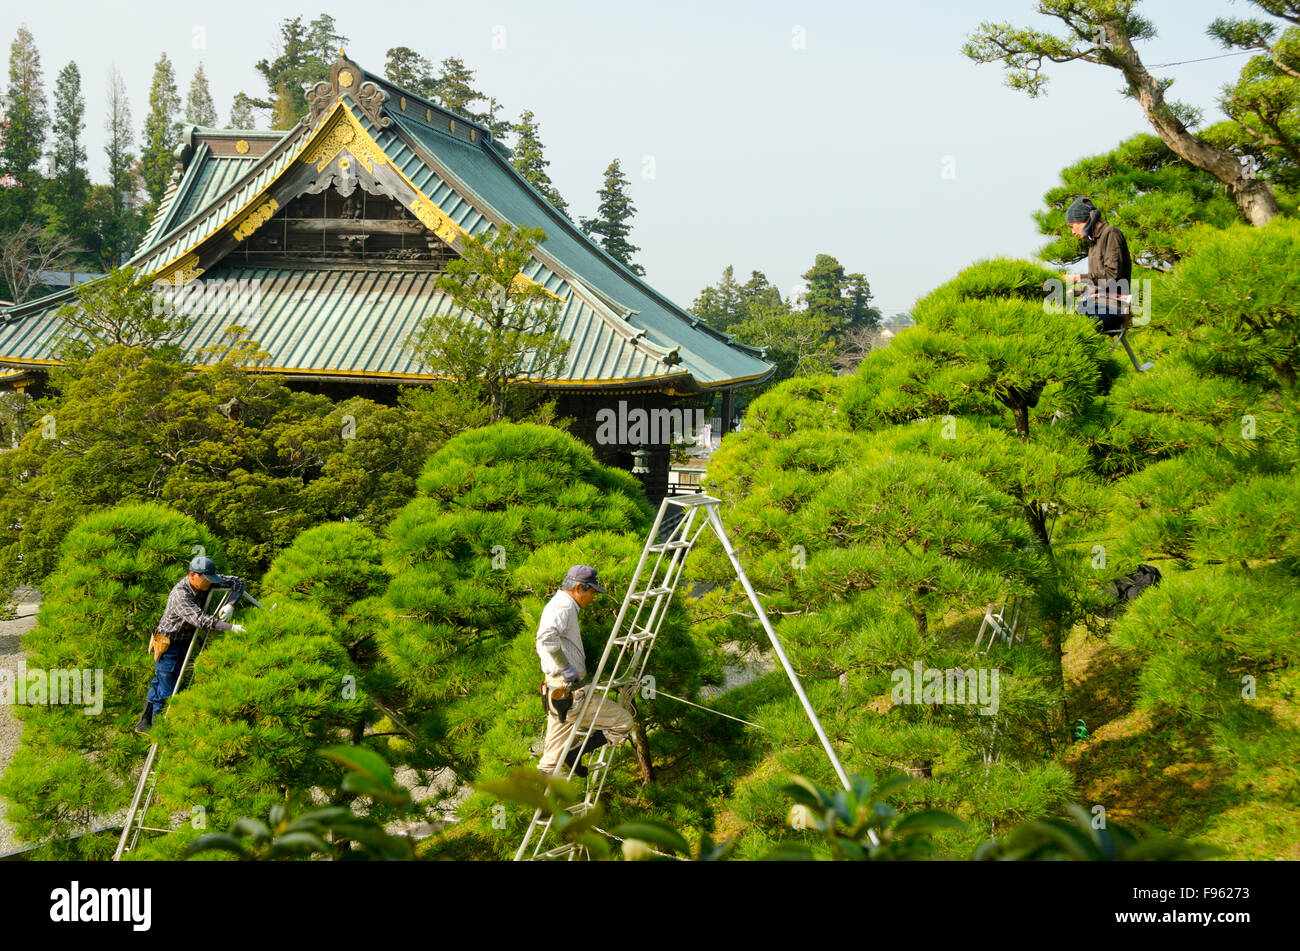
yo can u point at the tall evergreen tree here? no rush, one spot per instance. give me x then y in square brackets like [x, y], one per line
[65, 204]
[454, 88]
[305, 54]
[242, 112]
[26, 124]
[721, 305]
[120, 226]
[405, 67]
[199, 107]
[859, 312]
[529, 161]
[161, 131]
[825, 294]
[610, 226]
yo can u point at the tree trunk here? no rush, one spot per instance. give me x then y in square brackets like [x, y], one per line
[1038, 522]
[1021, 413]
[642, 745]
[1253, 196]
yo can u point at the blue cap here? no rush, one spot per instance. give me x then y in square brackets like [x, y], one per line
[582, 574]
[205, 566]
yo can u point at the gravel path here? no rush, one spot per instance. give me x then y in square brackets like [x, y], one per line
[11, 652]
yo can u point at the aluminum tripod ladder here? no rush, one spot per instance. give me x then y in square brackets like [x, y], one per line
[995, 622]
[134, 823]
[622, 665]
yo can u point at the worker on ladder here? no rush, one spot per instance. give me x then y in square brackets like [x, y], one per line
[564, 665]
[1110, 270]
[181, 619]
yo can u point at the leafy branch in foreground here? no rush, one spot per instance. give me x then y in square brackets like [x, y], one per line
[333, 831]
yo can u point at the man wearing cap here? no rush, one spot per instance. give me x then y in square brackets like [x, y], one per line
[180, 619]
[564, 664]
[1109, 267]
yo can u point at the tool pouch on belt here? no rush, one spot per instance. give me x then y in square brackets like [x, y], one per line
[560, 700]
[158, 645]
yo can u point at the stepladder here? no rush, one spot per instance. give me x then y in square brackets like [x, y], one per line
[137, 814]
[621, 672]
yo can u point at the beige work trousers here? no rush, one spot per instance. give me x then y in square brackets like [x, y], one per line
[604, 714]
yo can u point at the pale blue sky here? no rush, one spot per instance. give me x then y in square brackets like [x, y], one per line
[763, 153]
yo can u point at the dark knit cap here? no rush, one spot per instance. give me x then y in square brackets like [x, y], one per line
[1079, 211]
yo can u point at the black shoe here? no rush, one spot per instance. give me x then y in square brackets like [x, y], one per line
[146, 718]
[593, 742]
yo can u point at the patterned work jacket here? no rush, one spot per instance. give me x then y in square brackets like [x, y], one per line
[184, 611]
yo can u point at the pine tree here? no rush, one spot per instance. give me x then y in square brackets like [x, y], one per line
[116, 567]
[25, 128]
[529, 161]
[199, 107]
[501, 332]
[68, 195]
[454, 88]
[237, 741]
[611, 225]
[161, 132]
[405, 67]
[722, 305]
[1243, 337]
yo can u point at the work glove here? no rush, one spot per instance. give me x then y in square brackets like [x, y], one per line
[237, 628]
[226, 612]
[570, 675]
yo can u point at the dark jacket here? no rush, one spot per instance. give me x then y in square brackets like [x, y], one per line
[1108, 258]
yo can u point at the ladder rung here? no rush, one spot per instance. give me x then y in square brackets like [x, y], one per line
[649, 593]
[669, 546]
[689, 501]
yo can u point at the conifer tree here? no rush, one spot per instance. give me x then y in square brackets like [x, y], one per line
[26, 125]
[199, 107]
[405, 67]
[503, 331]
[116, 567]
[68, 194]
[612, 223]
[487, 500]
[242, 112]
[265, 701]
[122, 224]
[161, 132]
[529, 161]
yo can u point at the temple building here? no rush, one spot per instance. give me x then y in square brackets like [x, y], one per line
[343, 224]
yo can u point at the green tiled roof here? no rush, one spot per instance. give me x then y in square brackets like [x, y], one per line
[351, 321]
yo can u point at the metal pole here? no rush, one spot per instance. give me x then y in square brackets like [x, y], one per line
[716, 522]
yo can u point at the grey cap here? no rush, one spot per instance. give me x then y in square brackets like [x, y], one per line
[582, 574]
[205, 566]
[1080, 210]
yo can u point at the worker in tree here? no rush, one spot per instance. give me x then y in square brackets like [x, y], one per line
[1109, 268]
[181, 619]
[559, 646]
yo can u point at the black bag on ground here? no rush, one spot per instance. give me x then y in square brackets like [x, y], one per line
[1130, 586]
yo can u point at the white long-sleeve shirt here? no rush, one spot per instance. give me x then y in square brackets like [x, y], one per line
[558, 631]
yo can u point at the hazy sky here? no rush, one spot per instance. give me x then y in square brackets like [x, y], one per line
[755, 133]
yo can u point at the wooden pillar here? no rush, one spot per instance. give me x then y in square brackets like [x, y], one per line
[728, 410]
